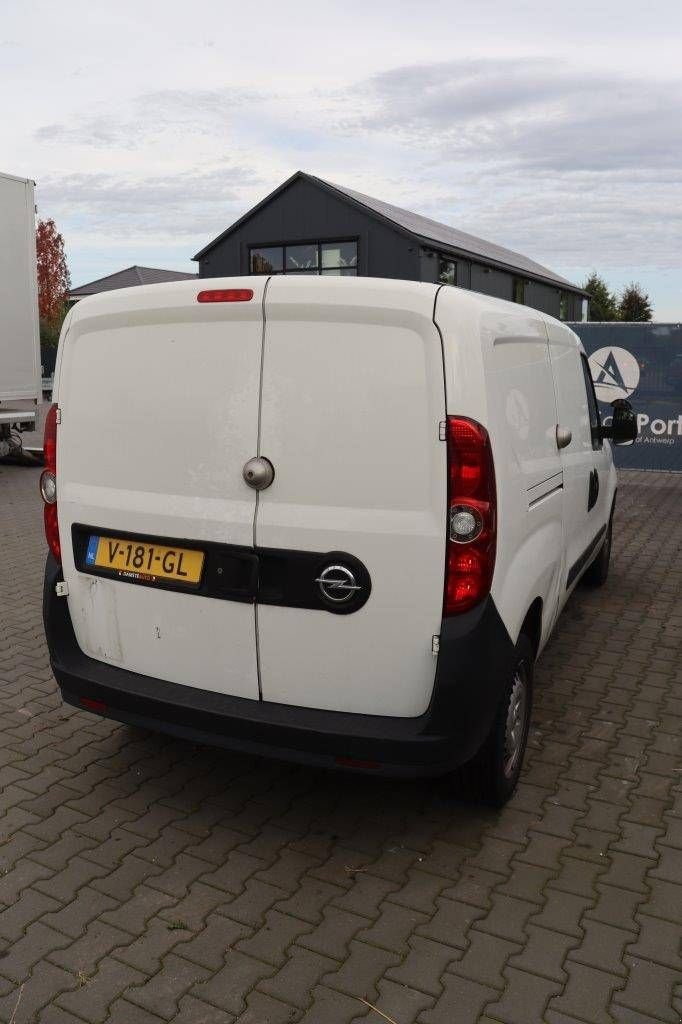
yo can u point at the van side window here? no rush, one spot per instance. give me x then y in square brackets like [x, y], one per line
[595, 421]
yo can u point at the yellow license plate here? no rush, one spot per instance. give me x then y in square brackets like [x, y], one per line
[139, 560]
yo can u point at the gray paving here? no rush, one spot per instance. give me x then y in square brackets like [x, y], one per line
[146, 880]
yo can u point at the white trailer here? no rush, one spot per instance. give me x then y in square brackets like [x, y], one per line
[20, 380]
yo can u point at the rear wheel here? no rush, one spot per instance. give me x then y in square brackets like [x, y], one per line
[597, 573]
[493, 774]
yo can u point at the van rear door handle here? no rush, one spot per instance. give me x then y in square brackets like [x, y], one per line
[563, 436]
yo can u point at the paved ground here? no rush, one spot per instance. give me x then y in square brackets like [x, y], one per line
[146, 880]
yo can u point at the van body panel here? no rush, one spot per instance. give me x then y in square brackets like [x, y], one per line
[498, 371]
[159, 411]
[352, 399]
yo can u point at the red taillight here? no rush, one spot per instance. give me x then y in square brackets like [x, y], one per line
[471, 520]
[225, 295]
[50, 471]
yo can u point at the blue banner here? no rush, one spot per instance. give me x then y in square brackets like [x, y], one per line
[643, 363]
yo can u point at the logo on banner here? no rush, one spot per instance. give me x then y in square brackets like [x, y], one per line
[615, 373]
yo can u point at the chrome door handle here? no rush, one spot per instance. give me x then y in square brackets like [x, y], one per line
[563, 437]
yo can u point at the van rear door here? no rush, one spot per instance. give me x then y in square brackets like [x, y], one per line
[159, 398]
[352, 398]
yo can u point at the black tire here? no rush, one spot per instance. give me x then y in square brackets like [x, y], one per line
[492, 775]
[597, 573]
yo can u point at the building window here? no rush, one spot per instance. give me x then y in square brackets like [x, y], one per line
[267, 261]
[563, 306]
[447, 271]
[519, 290]
[338, 259]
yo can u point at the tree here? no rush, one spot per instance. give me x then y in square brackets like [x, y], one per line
[603, 303]
[634, 304]
[53, 279]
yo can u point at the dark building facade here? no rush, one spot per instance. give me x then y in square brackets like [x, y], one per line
[309, 225]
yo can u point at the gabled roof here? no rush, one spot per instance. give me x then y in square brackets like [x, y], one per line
[128, 278]
[423, 229]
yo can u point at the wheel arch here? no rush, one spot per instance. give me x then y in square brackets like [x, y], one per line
[532, 624]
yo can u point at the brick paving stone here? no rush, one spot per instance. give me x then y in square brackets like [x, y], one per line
[545, 953]
[122, 882]
[399, 1002]
[332, 1007]
[508, 918]
[425, 963]
[122, 1011]
[333, 935]
[273, 939]
[25, 1002]
[147, 952]
[649, 989]
[295, 981]
[193, 909]
[659, 940]
[162, 993]
[83, 955]
[177, 879]
[18, 959]
[462, 1000]
[92, 999]
[669, 867]
[18, 878]
[367, 894]
[419, 892]
[133, 912]
[112, 850]
[195, 1011]
[525, 998]
[210, 945]
[361, 970]
[485, 959]
[562, 912]
[231, 876]
[451, 923]
[664, 900]
[602, 947]
[29, 907]
[392, 928]
[587, 994]
[616, 907]
[253, 903]
[474, 886]
[526, 882]
[228, 988]
[309, 901]
[263, 1009]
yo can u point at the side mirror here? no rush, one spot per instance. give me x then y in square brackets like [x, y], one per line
[623, 428]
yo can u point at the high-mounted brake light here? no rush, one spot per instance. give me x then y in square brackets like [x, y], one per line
[225, 295]
[48, 483]
[471, 523]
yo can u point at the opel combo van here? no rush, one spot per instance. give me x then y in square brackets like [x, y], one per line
[323, 519]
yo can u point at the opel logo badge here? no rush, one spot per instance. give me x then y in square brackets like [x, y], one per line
[337, 583]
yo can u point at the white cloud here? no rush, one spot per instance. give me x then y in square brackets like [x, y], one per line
[149, 128]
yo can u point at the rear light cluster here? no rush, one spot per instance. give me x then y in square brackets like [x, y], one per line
[48, 483]
[471, 526]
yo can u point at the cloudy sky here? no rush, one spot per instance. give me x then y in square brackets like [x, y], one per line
[551, 127]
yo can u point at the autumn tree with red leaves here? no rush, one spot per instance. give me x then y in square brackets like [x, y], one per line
[53, 278]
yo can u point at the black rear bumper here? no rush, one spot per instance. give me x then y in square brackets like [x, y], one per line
[476, 657]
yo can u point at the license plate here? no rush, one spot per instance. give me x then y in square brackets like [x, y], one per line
[148, 563]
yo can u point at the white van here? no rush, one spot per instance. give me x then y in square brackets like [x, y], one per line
[324, 519]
